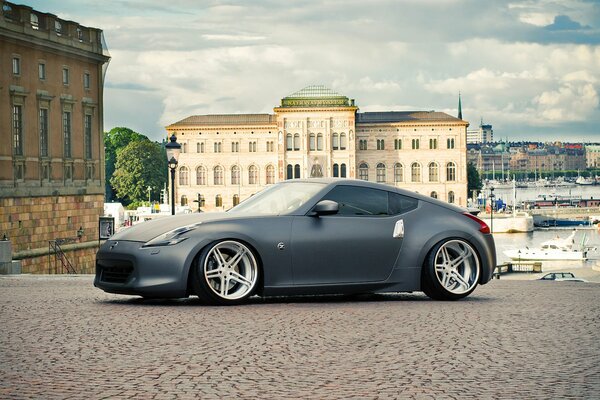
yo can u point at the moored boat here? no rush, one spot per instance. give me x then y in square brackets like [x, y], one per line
[554, 249]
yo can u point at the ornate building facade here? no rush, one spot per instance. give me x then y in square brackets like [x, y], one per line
[51, 125]
[316, 132]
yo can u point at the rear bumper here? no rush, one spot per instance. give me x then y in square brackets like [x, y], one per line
[487, 254]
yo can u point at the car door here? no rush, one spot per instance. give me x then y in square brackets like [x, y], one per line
[355, 245]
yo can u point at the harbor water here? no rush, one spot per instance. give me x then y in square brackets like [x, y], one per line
[588, 269]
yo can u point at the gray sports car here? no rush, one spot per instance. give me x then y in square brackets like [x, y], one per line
[299, 237]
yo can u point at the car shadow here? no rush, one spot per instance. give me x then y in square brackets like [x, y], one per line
[193, 301]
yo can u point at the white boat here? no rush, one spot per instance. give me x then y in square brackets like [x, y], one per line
[584, 181]
[554, 249]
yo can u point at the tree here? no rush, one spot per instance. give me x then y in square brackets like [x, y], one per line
[114, 140]
[473, 179]
[139, 165]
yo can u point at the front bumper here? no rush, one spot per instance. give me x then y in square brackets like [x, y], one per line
[125, 267]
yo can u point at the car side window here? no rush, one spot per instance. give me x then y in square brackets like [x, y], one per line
[399, 204]
[356, 201]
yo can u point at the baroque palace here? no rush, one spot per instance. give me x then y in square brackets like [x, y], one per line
[51, 147]
[316, 132]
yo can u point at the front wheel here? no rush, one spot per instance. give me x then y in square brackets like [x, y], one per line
[225, 273]
[451, 270]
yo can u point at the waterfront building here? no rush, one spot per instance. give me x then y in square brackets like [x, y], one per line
[482, 134]
[51, 127]
[592, 155]
[317, 132]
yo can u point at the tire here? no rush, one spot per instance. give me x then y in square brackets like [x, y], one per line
[225, 273]
[451, 270]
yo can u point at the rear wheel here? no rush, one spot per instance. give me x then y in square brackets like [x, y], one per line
[451, 270]
[226, 272]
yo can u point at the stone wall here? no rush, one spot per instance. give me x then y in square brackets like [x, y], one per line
[83, 259]
[31, 222]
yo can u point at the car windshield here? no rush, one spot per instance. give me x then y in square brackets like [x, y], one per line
[279, 199]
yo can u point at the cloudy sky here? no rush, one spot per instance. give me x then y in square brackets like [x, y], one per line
[530, 68]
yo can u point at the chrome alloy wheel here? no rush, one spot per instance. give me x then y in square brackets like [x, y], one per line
[230, 270]
[457, 266]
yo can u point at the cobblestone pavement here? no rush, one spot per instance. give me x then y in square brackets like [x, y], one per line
[61, 338]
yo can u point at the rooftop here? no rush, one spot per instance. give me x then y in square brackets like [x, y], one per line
[227, 119]
[403, 116]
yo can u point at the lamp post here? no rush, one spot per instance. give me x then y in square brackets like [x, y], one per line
[173, 149]
[149, 191]
[492, 209]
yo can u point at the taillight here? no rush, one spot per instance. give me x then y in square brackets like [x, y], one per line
[483, 227]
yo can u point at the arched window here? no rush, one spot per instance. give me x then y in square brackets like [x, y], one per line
[297, 141]
[289, 142]
[183, 176]
[312, 142]
[297, 171]
[319, 141]
[218, 201]
[335, 142]
[218, 175]
[415, 172]
[398, 173]
[200, 176]
[253, 175]
[289, 172]
[270, 174]
[434, 195]
[343, 142]
[363, 171]
[433, 172]
[336, 171]
[184, 201]
[236, 199]
[451, 197]
[343, 171]
[381, 173]
[235, 175]
[450, 172]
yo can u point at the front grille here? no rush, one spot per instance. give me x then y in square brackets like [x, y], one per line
[114, 271]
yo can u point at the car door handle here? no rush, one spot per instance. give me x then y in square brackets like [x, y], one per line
[399, 229]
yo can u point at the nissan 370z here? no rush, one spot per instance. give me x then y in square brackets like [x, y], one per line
[304, 237]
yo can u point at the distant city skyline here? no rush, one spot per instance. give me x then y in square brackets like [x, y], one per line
[529, 68]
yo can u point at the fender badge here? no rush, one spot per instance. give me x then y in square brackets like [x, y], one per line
[281, 246]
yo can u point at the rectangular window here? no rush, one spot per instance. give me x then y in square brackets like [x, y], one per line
[86, 80]
[65, 76]
[415, 144]
[67, 133]
[17, 119]
[16, 66]
[433, 143]
[42, 71]
[87, 129]
[43, 132]
[450, 143]
[397, 144]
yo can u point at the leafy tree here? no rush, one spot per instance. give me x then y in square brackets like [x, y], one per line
[473, 179]
[116, 139]
[139, 164]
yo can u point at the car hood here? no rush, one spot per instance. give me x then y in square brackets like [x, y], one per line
[148, 230]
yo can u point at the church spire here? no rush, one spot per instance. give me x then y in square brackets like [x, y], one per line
[459, 107]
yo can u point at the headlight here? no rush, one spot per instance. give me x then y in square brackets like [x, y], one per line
[172, 237]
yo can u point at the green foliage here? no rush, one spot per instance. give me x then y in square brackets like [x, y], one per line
[473, 179]
[114, 140]
[139, 164]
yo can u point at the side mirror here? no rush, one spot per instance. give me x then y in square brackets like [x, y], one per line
[325, 207]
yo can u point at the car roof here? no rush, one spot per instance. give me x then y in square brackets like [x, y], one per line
[380, 186]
